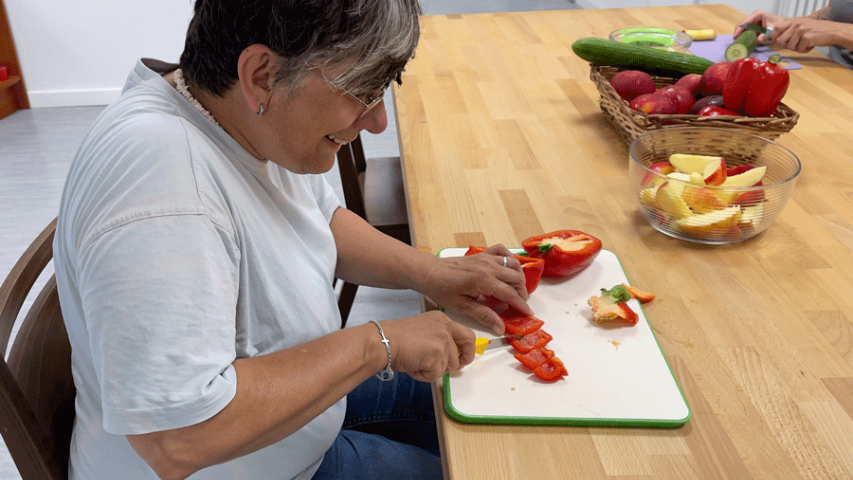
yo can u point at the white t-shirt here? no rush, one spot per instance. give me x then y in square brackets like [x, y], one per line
[176, 253]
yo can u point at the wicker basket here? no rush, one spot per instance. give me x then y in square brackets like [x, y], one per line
[632, 124]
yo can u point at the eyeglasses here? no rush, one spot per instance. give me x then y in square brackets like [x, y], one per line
[370, 99]
[367, 100]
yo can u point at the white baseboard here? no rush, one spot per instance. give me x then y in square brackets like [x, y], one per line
[72, 98]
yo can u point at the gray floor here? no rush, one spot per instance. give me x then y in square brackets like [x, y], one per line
[36, 147]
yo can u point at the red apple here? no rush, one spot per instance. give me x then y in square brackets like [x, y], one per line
[681, 96]
[630, 84]
[652, 103]
[690, 82]
[714, 78]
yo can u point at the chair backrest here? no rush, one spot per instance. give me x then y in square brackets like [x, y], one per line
[373, 190]
[36, 387]
[352, 165]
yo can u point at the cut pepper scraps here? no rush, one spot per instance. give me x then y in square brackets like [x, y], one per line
[611, 304]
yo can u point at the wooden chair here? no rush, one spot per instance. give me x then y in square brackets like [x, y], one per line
[36, 388]
[373, 189]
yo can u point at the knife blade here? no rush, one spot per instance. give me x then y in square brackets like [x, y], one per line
[482, 344]
[758, 29]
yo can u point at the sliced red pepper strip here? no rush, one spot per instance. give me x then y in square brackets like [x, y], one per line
[552, 370]
[539, 338]
[522, 325]
[755, 88]
[565, 251]
[535, 357]
[531, 267]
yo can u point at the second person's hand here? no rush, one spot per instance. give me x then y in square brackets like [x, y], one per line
[761, 18]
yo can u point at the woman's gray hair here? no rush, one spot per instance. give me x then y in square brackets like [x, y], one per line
[370, 41]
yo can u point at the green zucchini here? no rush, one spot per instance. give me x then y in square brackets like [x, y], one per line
[743, 46]
[653, 60]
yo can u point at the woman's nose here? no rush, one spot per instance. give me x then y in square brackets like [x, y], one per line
[374, 120]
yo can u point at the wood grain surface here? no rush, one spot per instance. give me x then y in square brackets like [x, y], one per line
[502, 138]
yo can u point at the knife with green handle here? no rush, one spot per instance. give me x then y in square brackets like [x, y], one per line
[767, 31]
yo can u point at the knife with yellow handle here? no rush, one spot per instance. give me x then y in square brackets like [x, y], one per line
[482, 344]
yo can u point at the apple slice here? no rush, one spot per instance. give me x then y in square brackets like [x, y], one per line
[748, 198]
[682, 178]
[710, 223]
[692, 163]
[715, 173]
[647, 195]
[662, 168]
[748, 178]
[668, 199]
[736, 170]
[697, 178]
[702, 200]
[752, 215]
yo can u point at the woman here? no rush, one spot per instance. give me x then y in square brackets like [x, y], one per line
[828, 27]
[197, 246]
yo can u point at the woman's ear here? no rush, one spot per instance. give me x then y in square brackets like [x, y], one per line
[256, 69]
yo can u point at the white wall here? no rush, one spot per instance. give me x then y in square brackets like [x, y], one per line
[746, 6]
[79, 52]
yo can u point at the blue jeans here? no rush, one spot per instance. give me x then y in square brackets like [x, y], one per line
[389, 433]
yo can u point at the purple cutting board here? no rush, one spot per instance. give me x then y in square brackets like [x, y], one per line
[715, 51]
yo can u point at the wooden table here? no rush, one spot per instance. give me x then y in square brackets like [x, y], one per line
[502, 138]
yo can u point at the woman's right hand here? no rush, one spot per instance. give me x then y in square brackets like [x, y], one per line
[428, 345]
[760, 18]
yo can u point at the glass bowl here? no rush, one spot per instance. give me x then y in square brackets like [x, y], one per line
[662, 38]
[684, 206]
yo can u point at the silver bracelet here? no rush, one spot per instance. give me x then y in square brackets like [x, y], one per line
[386, 373]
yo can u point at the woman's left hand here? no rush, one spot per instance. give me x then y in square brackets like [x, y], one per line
[462, 283]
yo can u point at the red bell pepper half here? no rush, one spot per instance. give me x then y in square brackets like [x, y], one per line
[755, 88]
[565, 251]
[552, 370]
[539, 338]
[531, 267]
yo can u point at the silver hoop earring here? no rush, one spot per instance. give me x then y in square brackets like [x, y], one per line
[261, 111]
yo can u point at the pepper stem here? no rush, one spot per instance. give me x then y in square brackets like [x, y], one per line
[775, 59]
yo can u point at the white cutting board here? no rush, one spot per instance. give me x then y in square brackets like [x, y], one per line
[618, 375]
